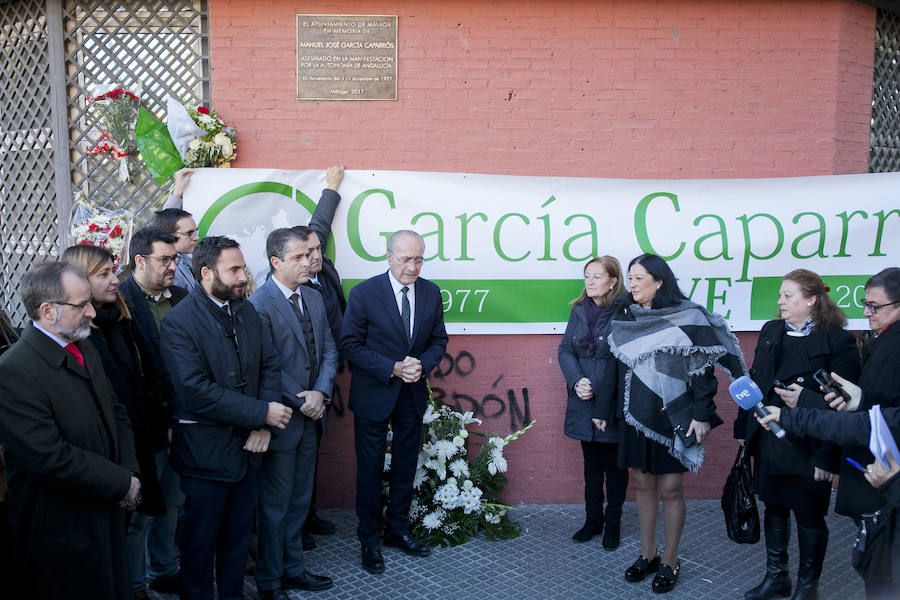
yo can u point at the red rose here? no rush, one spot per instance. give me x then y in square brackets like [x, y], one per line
[203, 110]
[117, 230]
[93, 227]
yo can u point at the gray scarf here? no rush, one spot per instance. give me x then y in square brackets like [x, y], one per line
[664, 348]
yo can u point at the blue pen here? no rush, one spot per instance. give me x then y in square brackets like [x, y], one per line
[856, 464]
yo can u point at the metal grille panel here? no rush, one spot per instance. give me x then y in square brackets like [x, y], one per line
[884, 138]
[28, 228]
[163, 46]
[158, 45]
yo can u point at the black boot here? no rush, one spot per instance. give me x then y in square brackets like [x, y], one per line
[813, 543]
[777, 582]
[611, 533]
[593, 493]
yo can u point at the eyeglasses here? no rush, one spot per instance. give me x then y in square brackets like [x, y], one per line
[79, 306]
[165, 261]
[188, 233]
[416, 260]
[873, 308]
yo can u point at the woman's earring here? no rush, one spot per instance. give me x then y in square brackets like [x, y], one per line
[809, 303]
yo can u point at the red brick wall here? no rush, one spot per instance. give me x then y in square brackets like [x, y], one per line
[626, 89]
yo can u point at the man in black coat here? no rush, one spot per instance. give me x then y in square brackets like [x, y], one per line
[228, 385]
[150, 295]
[393, 334]
[69, 448]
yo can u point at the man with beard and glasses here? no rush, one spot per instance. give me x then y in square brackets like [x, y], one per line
[228, 390]
[69, 449]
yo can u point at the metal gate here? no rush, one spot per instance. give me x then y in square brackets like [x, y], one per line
[51, 51]
[884, 135]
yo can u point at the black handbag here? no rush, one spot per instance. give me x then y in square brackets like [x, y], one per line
[739, 503]
[680, 412]
[871, 555]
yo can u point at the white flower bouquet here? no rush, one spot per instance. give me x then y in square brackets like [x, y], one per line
[98, 227]
[455, 497]
[201, 137]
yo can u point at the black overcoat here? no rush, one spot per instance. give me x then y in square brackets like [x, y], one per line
[70, 456]
[600, 366]
[880, 373]
[833, 350]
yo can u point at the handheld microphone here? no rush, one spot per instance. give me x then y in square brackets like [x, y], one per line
[747, 394]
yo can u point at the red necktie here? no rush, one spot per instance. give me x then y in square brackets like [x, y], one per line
[74, 351]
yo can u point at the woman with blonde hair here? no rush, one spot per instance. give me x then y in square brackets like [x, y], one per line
[591, 377]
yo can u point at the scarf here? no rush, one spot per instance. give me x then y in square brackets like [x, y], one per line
[593, 314]
[664, 348]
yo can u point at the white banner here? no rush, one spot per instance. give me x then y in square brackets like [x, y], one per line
[508, 251]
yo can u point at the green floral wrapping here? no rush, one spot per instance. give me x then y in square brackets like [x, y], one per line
[157, 150]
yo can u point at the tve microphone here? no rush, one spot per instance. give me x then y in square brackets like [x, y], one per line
[747, 394]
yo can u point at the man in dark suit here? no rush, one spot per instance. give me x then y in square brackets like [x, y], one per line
[294, 316]
[69, 449]
[228, 386]
[150, 296]
[324, 278]
[393, 335]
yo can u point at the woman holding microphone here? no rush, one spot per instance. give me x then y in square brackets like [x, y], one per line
[591, 376]
[794, 474]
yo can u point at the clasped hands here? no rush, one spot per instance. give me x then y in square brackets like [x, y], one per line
[409, 370]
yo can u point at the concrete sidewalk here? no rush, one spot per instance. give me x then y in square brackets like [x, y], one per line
[544, 563]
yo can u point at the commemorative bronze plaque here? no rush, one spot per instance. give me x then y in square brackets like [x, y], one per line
[346, 57]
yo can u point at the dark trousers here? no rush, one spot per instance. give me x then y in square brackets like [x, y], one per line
[285, 485]
[215, 530]
[599, 464]
[371, 441]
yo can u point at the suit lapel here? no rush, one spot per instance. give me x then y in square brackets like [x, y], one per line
[283, 307]
[306, 293]
[419, 317]
[390, 304]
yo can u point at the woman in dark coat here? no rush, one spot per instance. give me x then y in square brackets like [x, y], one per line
[113, 336]
[795, 474]
[590, 370]
[667, 346]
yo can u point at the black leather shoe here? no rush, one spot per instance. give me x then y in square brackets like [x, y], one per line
[641, 567]
[308, 581]
[666, 577]
[309, 542]
[372, 560]
[319, 526]
[408, 544]
[273, 595]
[587, 531]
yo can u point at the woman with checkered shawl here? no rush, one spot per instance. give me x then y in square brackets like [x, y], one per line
[667, 347]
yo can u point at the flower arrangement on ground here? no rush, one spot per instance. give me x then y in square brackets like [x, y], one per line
[106, 229]
[455, 497]
[116, 109]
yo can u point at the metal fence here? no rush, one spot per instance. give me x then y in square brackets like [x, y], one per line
[51, 52]
[884, 136]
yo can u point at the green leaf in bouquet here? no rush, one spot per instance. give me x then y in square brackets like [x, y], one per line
[157, 150]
